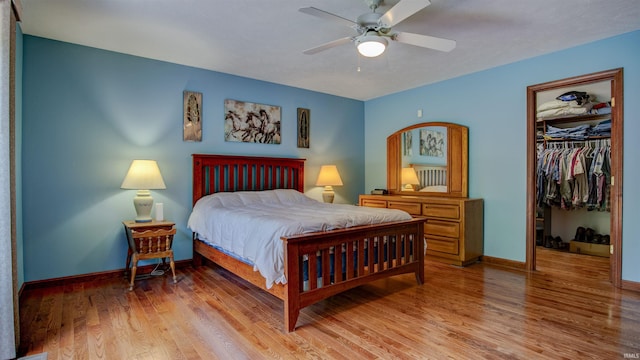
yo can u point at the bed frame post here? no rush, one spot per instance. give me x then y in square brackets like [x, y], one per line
[196, 259]
[198, 179]
[292, 274]
[421, 250]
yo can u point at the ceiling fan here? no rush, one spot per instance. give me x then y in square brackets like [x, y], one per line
[374, 29]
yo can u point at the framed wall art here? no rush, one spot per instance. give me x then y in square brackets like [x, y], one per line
[192, 116]
[407, 141]
[432, 143]
[251, 122]
[303, 127]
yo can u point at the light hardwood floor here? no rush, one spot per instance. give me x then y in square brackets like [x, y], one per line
[566, 310]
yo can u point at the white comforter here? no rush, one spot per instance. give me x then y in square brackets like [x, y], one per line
[250, 223]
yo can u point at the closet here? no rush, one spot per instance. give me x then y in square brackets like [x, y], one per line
[574, 167]
[573, 171]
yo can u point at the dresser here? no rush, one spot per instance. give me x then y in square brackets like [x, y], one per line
[454, 226]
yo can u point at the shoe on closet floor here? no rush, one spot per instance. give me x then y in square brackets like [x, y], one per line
[557, 242]
[597, 239]
[589, 235]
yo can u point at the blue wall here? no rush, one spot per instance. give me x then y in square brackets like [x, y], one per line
[87, 113]
[492, 104]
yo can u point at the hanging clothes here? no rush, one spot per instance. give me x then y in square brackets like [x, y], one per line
[575, 174]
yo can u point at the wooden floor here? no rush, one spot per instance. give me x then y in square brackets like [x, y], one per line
[566, 310]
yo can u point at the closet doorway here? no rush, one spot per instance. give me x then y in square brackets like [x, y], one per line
[534, 92]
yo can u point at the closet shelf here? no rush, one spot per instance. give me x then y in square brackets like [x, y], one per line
[576, 140]
[576, 118]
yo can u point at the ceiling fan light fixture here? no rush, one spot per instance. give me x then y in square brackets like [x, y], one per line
[371, 45]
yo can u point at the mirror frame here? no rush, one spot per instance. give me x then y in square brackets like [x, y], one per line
[457, 161]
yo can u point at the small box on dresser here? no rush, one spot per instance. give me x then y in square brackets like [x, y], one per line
[454, 226]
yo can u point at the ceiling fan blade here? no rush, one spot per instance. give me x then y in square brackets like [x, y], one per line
[327, 15]
[401, 11]
[328, 45]
[425, 41]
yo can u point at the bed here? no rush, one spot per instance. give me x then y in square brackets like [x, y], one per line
[316, 265]
[433, 178]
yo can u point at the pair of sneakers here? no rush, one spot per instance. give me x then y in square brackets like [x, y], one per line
[584, 235]
[553, 242]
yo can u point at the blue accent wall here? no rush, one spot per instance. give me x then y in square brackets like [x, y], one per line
[87, 113]
[493, 105]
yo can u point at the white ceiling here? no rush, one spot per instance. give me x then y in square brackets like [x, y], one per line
[264, 39]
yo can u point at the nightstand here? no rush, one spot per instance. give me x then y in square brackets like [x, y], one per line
[130, 225]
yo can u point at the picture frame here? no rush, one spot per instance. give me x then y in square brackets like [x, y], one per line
[251, 122]
[304, 123]
[432, 143]
[407, 141]
[192, 116]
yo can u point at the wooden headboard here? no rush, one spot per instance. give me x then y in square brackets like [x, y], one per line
[226, 173]
[431, 175]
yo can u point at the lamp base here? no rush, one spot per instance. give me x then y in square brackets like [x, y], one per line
[328, 195]
[143, 202]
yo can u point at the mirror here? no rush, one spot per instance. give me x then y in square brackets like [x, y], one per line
[428, 159]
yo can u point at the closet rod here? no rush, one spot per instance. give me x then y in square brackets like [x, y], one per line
[570, 144]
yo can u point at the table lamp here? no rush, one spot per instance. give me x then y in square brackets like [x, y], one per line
[408, 177]
[143, 175]
[328, 177]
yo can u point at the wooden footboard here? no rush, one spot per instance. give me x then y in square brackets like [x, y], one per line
[338, 260]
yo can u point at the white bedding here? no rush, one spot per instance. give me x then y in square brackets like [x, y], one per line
[250, 223]
[434, 188]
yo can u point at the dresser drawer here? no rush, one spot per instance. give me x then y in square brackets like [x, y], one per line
[411, 208]
[374, 203]
[441, 211]
[442, 245]
[442, 228]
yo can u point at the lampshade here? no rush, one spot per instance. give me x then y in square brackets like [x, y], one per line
[143, 175]
[371, 45]
[328, 177]
[408, 178]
